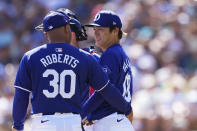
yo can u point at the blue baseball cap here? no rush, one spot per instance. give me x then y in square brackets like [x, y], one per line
[106, 18]
[54, 20]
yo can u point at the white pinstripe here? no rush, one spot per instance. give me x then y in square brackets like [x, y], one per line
[103, 87]
[22, 88]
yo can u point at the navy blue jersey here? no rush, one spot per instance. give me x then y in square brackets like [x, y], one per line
[89, 91]
[56, 75]
[117, 65]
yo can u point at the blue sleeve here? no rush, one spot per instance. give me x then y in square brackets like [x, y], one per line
[109, 62]
[22, 91]
[112, 95]
[20, 104]
[23, 79]
[96, 76]
[91, 104]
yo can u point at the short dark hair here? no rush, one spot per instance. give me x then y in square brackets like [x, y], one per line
[119, 33]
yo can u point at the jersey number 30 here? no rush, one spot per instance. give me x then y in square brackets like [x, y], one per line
[60, 78]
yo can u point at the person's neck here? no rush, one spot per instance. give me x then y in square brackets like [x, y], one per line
[58, 41]
[109, 45]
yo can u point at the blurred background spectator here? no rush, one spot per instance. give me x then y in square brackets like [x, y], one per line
[161, 42]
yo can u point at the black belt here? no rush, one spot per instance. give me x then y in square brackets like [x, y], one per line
[120, 113]
[53, 113]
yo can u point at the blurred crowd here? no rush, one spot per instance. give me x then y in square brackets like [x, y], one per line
[161, 41]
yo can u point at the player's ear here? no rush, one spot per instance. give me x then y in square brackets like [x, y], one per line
[67, 29]
[115, 31]
[74, 41]
[67, 32]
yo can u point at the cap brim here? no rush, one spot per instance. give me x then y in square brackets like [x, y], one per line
[40, 27]
[92, 24]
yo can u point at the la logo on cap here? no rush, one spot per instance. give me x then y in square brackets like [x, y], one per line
[97, 17]
[50, 27]
[114, 23]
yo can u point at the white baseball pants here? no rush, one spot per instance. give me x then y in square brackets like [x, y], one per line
[56, 122]
[113, 122]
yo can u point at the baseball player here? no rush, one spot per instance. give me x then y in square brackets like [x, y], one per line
[107, 32]
[53, 76]
[78, 33]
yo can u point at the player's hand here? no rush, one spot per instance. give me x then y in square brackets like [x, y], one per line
[74, 41]
[13, 129]
[130, 116]
[89, 123]
[86, 122]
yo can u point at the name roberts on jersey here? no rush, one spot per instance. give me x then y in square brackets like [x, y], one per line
[59, 58]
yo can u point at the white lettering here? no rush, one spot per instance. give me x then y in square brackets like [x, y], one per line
[54, 57]
[66, 57]
[72, 58]
[59, 58]
[126, 65]
[44, 62]
[74, 64]
[49, 60]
